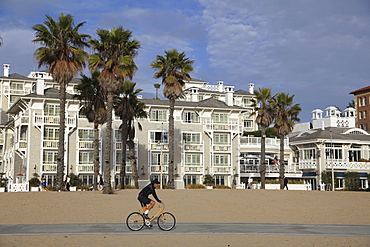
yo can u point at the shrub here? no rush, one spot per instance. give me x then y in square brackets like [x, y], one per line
[75, 181]
[195, 186]
[352, 180]
[209, 180]
[34, 182]
[129, 186]
[222, 187]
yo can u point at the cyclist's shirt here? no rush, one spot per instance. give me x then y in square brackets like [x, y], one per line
[149, 190]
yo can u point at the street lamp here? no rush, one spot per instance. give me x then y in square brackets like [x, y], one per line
[332, 165]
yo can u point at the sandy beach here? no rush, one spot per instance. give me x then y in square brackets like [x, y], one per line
[229, 206]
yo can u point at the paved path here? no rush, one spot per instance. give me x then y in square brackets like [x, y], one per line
[189, 228]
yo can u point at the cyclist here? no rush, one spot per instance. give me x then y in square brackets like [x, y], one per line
[144, 199]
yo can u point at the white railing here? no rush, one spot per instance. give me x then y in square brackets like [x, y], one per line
[85, 168]
[86, 144]
[128, 168]
[49, 168]
[336, 164]
[192, 147]
[156, 146]
[39, 119]
[193, 169]
[158, 168]
[222, 169]
[221, 148]
[50, 144]
[229, 126]
[249, 140]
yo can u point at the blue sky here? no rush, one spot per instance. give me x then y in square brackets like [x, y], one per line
[318, 50]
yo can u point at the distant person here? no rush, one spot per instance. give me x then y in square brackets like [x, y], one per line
[43, 184]
[144, 196]
[68, 182]
[285, 183]
[100, 182]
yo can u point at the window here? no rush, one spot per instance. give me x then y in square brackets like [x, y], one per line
[191, 138]
[156, 159]
[16, 87]
[193, 160]
[86, 134]
[190, 117]
[158, 136]
[221, 139]
[220, 180]
[219, 117]
[221, 160]
[14, 99]
[335, 150]
[248, 124]
[51, 134]
[51, 110]
[365, 114]
[191, 179]
[86, 158]
[158, 115]
[50, 157]
[247, 102]
[119, 158]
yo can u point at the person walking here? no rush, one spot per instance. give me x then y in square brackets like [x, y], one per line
[68, 182]
[285, 183]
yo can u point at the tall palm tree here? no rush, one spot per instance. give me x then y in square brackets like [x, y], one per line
[174, 69]
[264, 118]
[115, 50]
[125, 108]
[285, 114]
[156, 86]
[140, 113]
[93, 99]
[62, 50]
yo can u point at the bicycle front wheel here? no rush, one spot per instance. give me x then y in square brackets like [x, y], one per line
[135, 221]
[166, 221]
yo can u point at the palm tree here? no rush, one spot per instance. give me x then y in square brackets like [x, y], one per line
[62, 50]
[263, 111]
[114, 55]
[174, 69]
[93, 98]
[285, 114]
[125, 108]
[156, 86]
[140, 113]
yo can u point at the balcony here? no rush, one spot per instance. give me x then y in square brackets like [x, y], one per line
[49, 168]
[229, 126]
[188, 147]
[256, 168]
[256, 141]
[85, 168]
[128, 168]
[156, 146]
[86, 144]
[223, 169]
[50, 144]
[53, 120]
[221, 148]
[158, 168]
[191, 169]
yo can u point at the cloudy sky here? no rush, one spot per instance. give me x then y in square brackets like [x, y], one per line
[318, 50]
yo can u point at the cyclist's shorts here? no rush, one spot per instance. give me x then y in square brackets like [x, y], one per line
[144, 200]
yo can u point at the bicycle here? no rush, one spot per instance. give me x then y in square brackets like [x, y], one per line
[165, 220]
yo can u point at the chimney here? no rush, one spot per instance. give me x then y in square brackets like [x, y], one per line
[229, 97]
[194, 92]
[251, 88]
[40, 86]
[6, 70]
[220, 86]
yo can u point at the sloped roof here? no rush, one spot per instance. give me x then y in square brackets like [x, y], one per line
[333, 133]
[207, 103]
[17, 77]
[361, 90]
[242, 92]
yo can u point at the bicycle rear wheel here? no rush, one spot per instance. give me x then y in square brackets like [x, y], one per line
[135, 221]
[166, 221]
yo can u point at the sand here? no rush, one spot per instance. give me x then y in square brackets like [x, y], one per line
[231, 206]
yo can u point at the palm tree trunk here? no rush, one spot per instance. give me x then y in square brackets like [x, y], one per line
[132, 154]
[282, 164]
[60, 158]
[107, 166]
[124, 136]
[96, 155]
[262, 162]
[171, 130]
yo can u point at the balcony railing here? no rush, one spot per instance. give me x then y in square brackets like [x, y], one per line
[49, 168]
[85, 168]
[128, 168]
[223, 169]
[156, 146]
[230, 126]
[192, 147]
[54, 120]
[86, 144]
[257, 141]
[158, 168]
[50, 144]
[193, 169]
[218, 148]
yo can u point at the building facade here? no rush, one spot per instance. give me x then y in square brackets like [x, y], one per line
[362, 105]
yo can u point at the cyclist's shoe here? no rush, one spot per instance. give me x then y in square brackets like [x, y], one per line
[146, 216]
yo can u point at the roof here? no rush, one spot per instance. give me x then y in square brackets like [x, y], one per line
[17, 77]
[207, 103]
[332, 133]
[361, 90]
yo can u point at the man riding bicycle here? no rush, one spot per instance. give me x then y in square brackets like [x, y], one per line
[144, 199]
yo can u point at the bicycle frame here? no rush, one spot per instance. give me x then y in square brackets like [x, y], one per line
[159, 206]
